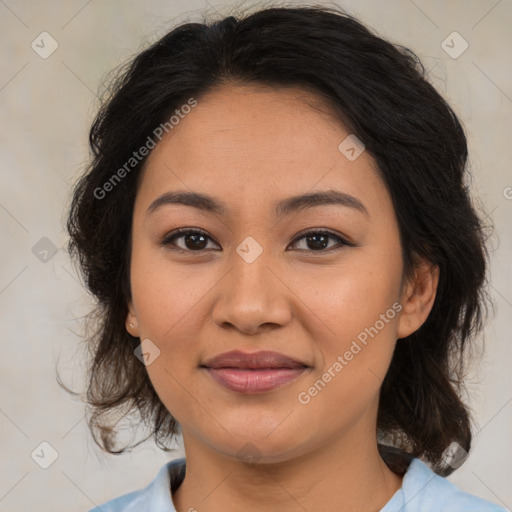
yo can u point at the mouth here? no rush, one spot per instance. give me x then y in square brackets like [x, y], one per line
[254, 373]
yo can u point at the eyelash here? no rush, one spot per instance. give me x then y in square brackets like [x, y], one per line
[181, 232]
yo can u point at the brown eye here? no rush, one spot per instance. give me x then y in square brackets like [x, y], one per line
[193, 240]
[318, 241]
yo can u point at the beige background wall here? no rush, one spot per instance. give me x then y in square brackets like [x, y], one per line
[46, 108]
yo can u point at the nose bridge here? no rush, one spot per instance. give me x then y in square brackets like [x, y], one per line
[251, 264]
[251, 276]
[251, 295]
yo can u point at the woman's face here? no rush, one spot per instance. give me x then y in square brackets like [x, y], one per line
[250, 281]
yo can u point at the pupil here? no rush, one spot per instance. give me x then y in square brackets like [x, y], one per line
[194, 238]
[315, 244]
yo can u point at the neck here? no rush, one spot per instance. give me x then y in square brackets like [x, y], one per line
[343, 475]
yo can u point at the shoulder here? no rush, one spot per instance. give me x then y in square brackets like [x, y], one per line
[422, 489]
[156, 496]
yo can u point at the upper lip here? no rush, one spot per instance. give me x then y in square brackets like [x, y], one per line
[255, 360]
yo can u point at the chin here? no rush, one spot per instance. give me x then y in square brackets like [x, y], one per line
[260, 445]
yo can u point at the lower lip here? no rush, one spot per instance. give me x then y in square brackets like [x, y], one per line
[254, 381]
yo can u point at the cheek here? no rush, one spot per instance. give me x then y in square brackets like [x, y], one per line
[350, 297]
[166, 297]
[359, 308]
[167, 303]
[354, 362]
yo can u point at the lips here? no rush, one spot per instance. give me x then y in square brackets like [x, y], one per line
[257, 360]
[253, 373]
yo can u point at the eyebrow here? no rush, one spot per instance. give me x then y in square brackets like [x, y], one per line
[282, 208]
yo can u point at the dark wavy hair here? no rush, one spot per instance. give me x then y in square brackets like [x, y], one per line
[378, 91]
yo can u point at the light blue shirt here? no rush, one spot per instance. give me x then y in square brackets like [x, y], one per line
[422, 491]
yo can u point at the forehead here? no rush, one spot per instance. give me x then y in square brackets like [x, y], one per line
[249, 144]
[253, 115]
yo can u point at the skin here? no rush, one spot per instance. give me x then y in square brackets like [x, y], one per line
[250, 147]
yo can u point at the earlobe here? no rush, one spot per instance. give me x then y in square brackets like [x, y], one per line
[131, 321]
[418, 298]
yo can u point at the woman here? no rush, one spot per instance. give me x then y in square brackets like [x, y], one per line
[288, 269]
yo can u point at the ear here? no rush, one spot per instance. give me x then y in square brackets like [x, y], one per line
[131, 324]
[417, 298]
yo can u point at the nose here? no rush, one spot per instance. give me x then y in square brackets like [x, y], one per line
[252, 297]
